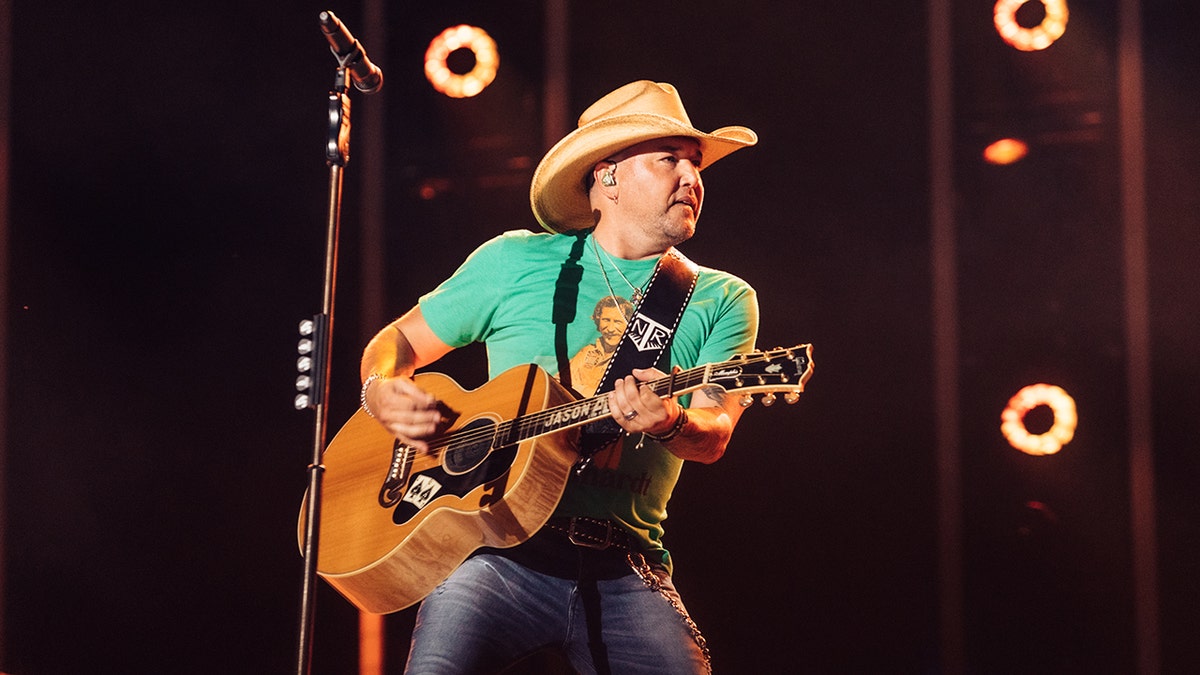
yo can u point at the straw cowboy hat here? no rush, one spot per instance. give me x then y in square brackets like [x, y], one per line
[639, 111]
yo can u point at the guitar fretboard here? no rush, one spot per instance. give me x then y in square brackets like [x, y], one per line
[587, 410]
[788, 370]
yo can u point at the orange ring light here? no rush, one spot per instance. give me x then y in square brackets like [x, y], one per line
[450, 83]
[1006, 151]
[1012, 420]
[1040, 36]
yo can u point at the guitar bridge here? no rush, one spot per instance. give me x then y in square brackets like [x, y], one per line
[393, 486]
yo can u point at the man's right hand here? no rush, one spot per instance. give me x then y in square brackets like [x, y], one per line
[404, 409]
[390, 396]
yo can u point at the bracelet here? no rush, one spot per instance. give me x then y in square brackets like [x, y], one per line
[675, 429]
[362, 394]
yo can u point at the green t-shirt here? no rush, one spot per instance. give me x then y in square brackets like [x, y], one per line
[503, 295]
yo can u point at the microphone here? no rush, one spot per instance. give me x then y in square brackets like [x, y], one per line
[367, 77]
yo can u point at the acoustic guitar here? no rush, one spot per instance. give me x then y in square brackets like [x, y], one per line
[396, 522]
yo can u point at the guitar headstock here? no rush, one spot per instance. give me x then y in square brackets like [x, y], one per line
[769, 372]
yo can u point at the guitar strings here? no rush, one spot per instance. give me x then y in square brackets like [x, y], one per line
[530, 424]
[537, 419]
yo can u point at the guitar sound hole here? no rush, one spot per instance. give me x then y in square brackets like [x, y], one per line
[470, 447]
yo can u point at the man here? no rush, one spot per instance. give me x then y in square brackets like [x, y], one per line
[616, 195]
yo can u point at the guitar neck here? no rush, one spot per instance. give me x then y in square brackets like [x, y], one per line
[585, 410]
[778, 370]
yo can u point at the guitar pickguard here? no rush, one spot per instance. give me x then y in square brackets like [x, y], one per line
[425, 486]
[468, 448]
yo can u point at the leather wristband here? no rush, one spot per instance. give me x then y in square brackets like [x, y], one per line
[675, 430]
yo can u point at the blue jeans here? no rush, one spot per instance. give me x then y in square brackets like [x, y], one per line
[493, 611]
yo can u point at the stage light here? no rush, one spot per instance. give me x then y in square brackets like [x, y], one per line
[450, 83]
[1052, 27]
[1006, 151]
[1012, 420]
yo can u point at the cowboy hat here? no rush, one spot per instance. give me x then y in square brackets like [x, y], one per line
[637, 112]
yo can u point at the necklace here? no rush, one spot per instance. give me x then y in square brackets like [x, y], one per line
[634, 290]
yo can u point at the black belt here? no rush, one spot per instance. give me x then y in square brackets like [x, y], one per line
[575, 548]
[594, 533]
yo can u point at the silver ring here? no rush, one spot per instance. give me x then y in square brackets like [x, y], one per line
[630, 415]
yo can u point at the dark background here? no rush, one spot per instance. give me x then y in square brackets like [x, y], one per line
[167, 233]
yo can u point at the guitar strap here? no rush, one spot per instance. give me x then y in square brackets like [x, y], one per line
[646, 338]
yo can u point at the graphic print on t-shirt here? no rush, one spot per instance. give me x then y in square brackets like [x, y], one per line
[611, 315]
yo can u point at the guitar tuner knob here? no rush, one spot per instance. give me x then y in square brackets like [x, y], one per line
[768, 399]
[791, 397]
[746, 400]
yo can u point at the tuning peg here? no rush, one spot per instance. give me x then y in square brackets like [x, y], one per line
[746, 400]
[768, 399]
[791, 397]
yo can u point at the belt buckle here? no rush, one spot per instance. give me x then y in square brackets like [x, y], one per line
[580, 539]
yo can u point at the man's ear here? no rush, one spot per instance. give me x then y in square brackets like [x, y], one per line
[605, 173]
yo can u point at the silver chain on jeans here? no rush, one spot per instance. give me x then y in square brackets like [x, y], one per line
[638, 562]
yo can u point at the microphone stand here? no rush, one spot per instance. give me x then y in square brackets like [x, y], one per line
[317, 341]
